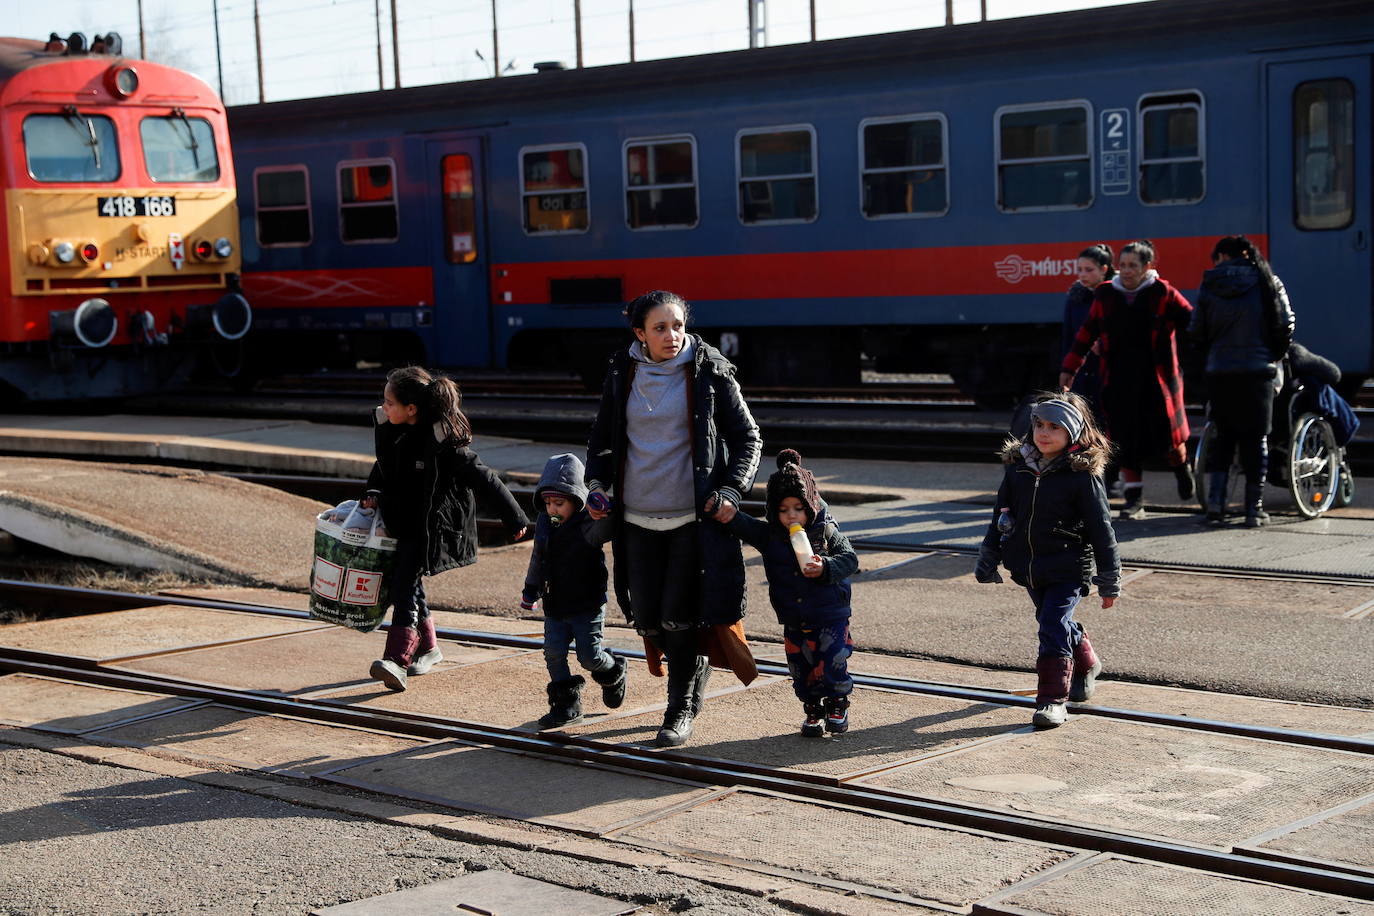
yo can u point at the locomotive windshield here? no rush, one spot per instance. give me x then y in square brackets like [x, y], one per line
[179, 148]
[71, 147]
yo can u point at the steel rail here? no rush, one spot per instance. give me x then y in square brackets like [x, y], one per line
[1354, 883]
[1325, 741]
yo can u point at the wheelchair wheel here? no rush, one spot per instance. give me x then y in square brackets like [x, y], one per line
[1314, 465]
[1345, 493]
[1235, 477]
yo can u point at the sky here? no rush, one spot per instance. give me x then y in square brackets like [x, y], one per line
[326, 47]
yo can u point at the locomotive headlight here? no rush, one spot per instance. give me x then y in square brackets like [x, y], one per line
[223, 247]
[203, 249]
[65, 252]
[122, 81]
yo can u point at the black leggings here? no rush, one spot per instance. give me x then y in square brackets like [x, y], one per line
[1242, 410]
[408, 585]
[664, 570]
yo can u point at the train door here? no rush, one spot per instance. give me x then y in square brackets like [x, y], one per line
[1320, 200]
[459, 252]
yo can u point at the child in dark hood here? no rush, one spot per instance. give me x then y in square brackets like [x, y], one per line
[808, 587]
[1055, 522]
[568, 571]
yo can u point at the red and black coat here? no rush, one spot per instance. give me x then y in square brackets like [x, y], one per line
[1170, 314]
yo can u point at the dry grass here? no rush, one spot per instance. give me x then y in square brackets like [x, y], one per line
[52, 568]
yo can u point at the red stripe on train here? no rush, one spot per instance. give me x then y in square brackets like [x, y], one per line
[377, 286]
[967, 270]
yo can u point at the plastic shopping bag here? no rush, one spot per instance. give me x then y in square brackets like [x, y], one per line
[350, 579]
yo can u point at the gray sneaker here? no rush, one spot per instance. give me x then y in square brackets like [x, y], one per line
[1051, 715]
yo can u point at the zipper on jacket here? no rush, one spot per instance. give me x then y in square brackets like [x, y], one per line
[1030, 567]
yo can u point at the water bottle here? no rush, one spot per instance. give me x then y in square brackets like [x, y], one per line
[1005, 523]
[801, 544]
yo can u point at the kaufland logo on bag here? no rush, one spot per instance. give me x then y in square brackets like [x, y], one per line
[1014, 268]
[362, 587]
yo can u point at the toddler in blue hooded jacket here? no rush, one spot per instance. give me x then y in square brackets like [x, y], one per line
[811, 598]
[567, 573]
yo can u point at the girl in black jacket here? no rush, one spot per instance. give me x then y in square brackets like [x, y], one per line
[1050, 522]
[424, 479]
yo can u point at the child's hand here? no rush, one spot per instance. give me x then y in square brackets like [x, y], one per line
[597, 514]
[367, 502]
[813, 568]
[720, 508]
[1108, 601]
[1065, 380]
[528, 605]
[519, 534]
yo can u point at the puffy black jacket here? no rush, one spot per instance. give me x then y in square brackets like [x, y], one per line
[439, 477]
[568, 566]
[1061, 524]
[797, 600]
[725, 458]
[1241, 328]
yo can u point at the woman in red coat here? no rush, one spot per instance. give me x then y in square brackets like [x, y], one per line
[1137, 317]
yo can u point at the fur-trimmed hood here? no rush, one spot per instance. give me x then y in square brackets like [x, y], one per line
[1079, 457]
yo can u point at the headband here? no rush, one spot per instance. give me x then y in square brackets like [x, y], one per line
[1061, 412]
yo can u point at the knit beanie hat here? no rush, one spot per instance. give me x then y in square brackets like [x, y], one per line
[791, 479]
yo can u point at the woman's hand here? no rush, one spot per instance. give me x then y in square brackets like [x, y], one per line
[1108, 602]
[813, 568]
[1065, 381]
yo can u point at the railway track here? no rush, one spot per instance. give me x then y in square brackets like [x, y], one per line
[1287, 870]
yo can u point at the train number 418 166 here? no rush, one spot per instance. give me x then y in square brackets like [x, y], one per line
[128, 206]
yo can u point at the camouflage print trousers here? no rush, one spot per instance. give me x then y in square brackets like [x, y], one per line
[818, 658]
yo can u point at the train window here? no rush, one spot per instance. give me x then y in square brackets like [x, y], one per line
[1171, 148]
[283, 203]
[1043, 157]
[553, 183]
[71, 147]
[903, 172]
[179, 148]
[460, 209]
[1324, 154]
[661, 183]
[367, 201]
[776, 168]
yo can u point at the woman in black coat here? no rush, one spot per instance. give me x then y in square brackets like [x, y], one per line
[675, 444]
[1244, 324]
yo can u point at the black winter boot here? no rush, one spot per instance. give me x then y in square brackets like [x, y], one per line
[565, 703]
[1183, 476]
[612, 681]
[677, 718]
[814, 726]
[699, 679]
[1255, 516]
[1216, 497]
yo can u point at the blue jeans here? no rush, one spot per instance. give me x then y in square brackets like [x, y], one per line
[584, 630]
[818, 658]
[407, 584]
[1054, 607]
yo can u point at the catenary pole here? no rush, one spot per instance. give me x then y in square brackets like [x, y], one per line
[577, 30]
[632, 31]
[813, 19]
[257, 43]
[142, 44]
[395, 46]
[377, 17]
[219, 60]
[495, 45]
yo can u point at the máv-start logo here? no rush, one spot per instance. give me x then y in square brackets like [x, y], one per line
[1014, 268]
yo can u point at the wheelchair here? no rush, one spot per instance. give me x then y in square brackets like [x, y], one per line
[1303, 458]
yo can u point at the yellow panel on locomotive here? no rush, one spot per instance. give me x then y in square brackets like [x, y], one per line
[120, 221]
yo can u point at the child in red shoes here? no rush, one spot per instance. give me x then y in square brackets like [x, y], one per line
[424, 479]
[1054, 521]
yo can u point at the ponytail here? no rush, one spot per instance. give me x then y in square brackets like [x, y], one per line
[1143, 249]
[1101, 255]
[436, 398]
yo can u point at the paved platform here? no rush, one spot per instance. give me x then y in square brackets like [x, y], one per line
[1189, 787]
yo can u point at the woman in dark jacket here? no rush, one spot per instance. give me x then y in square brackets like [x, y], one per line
[675, 443]
[1244, 324]
[424, 480]
[1137, 317]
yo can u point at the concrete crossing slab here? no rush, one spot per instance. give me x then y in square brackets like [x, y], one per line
[297, 663]
[52, 705]
[580, 797]
[1111, 885]
[761, 725]
[1191, 787]
[139, 632]
[274, 744]
[1229, 707]
[490, 891]
[1339, 838]
[888, 857]
[508, 692]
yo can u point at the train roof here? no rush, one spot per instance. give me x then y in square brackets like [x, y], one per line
[20, 54]
[1054, 33]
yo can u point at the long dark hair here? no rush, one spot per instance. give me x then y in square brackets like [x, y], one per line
[1101, 255]
[436, 399]
[1238, 246]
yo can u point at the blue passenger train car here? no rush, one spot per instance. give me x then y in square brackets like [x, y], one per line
[919, 197]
